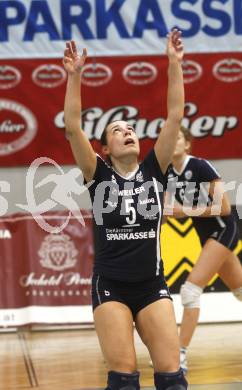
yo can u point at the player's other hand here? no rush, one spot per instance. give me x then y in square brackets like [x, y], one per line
[73, 61]
[175, 50]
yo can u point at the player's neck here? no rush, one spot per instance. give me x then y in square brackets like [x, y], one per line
[178, 162]
[124, 168]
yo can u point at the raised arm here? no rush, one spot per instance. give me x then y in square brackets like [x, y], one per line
[166, 141]
[82, 150]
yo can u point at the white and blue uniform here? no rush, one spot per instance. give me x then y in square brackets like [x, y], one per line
[127, 237]
[190, 187]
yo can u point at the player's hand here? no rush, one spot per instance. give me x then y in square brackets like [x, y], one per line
[174, 45]
[73, 61]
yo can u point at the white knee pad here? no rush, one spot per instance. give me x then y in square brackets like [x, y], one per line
[190, 295]
[238, 293]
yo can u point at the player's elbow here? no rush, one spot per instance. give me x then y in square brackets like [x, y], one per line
[221, 209]
[226, 209]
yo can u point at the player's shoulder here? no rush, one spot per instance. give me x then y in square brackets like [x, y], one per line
[204, 167]
[198, 161]
[194, 160]
[103, 170]
[103, 164]
[203, 163]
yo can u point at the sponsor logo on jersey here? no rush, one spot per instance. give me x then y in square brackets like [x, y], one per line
[132, 191]
[139, 177]
[164, 293]
[188, 174]
[131, 236]
[146, 201]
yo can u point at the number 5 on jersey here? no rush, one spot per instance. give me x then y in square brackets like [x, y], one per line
[129, 209]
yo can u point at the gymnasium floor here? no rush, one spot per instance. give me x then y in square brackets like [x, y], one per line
[64, 359]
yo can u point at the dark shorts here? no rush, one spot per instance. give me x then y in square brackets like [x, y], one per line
[224, 231]
[135, 295]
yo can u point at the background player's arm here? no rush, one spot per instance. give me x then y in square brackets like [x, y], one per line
[167, 139]
[219, 207]
[80, 145]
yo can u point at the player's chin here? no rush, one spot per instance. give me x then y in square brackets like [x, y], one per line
[131, 151]
[134, 149]
[177, 153]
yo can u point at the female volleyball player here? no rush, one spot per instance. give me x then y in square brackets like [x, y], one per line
[128, 281]
[216, 228]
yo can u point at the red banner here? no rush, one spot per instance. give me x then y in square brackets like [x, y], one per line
[41, 269]
[131, 88]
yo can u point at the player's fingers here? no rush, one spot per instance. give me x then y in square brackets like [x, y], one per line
[66, 60]
[67, 53]
[176, 36]
[84, 53]
[73, 48]
[179, 48]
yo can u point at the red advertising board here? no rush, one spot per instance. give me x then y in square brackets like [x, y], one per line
[42, 269]
[131, 88]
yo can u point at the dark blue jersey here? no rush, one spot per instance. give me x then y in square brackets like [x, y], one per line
[127, 218]
[191, 188]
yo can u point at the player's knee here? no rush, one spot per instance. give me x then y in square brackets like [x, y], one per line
[123, 381]
[190, 295]
[238, 293]
[170, 380]
[122, 364]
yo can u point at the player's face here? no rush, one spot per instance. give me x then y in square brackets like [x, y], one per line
[182, 146]
[121, 140]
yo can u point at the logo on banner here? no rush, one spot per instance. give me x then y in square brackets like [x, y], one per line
[58, 252]
[192, 71]
[95, 119]
[228, 70]
[9, 77]
[140, 73]
[49, 76]
[18, 126]
[96, 74]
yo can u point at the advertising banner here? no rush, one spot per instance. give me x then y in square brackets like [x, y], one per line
[30, 28]
[39, 269]
[129, 88]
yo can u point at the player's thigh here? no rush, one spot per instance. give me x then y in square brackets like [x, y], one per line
[157, 328]
[114, 325]
[211, 258]
[231, 272]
